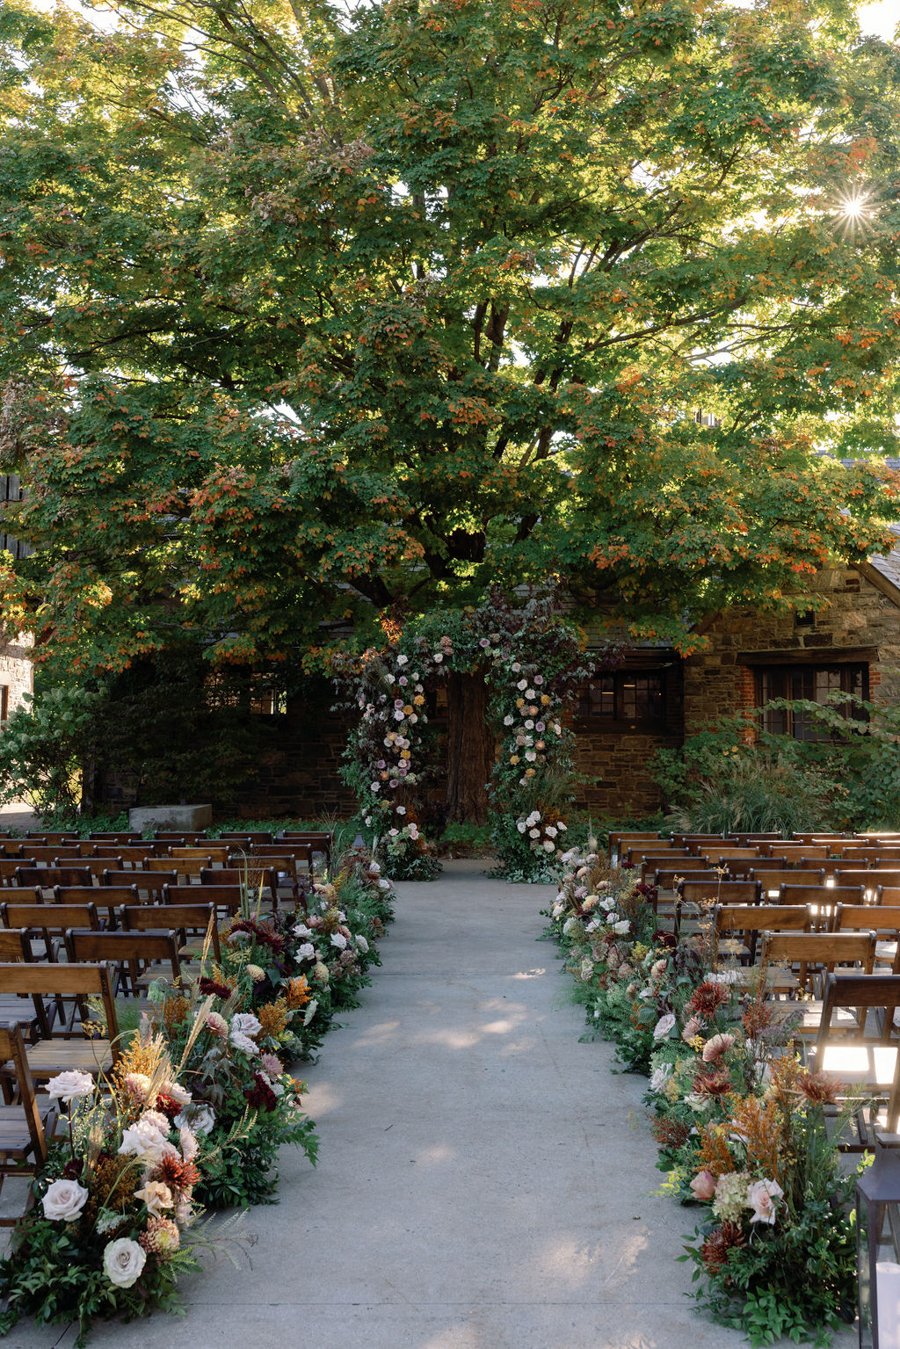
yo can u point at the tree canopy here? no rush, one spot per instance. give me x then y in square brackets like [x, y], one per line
[311, 313]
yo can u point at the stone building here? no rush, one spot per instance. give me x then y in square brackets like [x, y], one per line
[848, 640]
[16, 673]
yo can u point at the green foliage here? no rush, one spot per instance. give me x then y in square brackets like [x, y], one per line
[49, 1275]
[42, 749]
[740, 777]
[411, 301]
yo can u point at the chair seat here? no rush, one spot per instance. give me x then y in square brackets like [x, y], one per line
[49, 1057]
[871, 1066]
[730, 946]
[15, 1141]
[842, 1022]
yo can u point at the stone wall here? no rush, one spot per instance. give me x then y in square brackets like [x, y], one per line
[614, 763]
[16, 672]
[860, 621]
[300, 777]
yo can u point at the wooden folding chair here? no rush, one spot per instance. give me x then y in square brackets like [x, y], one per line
[24, 1123]
[773, 879]
[106, 898]
[816, 953]
[149, 884]
[744, 923]
[868, 1060]
[47, 924]
[650, 864]
[45, 878]
[886, 923]
[821, 899]
[796, 852]
[226, 898]
[320, 841]
[190, 922]
[10, 865]
[134, 855]
[139, 957]
[246, 837]
[213, 854]
[870, 879]
[186, 869]
[259, 879]
[95, 865]
[65, 1046]
[692, 891]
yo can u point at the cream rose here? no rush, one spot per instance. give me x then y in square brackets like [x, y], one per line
[123, 1262]
[64, 1201]
[70, 1086]
[156, 1196]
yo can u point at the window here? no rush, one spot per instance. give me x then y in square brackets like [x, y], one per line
[814, 683]
[4, 703]
[637, 697]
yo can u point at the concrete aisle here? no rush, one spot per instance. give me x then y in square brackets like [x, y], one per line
[485, 1182]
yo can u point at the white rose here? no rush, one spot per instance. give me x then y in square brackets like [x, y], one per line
[301, 930]
[244, 1043]
[508, 720]
[339, 940]
[549, 845]
[306, 951]
[522, 685]
[402, 660]
[362, 945]
[70, 1086]
[123, 1262]
[143, 1140]
[622, 927]
[663, 1026]
[245, 1023]
[521, 826]
[199, 1117]
[64, 1201]
[401, 810]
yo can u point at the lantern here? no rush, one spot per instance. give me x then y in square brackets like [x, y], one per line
[878, 1247]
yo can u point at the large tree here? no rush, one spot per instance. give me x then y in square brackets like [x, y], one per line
[312, 313]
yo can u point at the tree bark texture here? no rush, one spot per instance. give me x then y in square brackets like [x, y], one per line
[470, 748]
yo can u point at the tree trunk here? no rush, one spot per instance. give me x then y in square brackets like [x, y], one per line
[470, 748]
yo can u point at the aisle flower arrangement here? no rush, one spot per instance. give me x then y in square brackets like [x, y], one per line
[272, 998]
[112, 1227]
[244, 1103]
[742, 1128]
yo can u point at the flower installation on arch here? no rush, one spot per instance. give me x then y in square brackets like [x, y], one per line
[385, 761]
[743, 1129]
[532, 661]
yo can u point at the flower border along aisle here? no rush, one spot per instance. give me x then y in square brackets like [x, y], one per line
[115, 1219]
[740, 1124]
[112, 1228]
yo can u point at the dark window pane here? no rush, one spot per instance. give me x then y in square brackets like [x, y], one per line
[810, 683]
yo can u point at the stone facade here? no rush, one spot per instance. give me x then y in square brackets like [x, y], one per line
[16, 674]
[856, 623]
